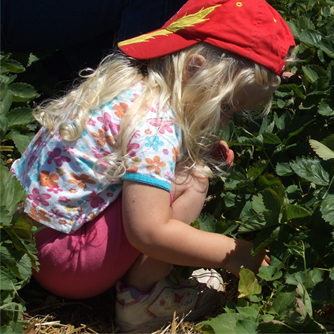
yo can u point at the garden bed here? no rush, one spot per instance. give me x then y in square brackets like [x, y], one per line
[50, 314]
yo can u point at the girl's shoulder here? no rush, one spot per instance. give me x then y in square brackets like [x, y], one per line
[132, 92]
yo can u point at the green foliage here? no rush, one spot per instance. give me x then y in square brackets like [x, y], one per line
[280, 192]
[17, 125]
[17, 247]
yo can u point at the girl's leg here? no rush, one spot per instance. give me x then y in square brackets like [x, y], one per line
[188, 195]
[87, 262]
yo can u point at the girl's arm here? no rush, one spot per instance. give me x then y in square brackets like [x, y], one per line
[147, 223]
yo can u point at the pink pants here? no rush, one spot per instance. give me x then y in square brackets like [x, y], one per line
[87, 262]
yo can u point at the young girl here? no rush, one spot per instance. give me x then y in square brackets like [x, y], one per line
[121, 166]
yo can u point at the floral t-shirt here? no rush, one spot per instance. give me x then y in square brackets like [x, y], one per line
[65, 190]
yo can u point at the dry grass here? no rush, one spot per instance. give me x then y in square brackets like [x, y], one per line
[49, 314]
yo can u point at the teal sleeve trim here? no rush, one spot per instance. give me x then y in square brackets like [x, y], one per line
[148, 180]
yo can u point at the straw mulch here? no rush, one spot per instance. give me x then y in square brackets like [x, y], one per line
[50, 314]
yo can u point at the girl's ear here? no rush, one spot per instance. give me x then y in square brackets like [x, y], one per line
[192, 64]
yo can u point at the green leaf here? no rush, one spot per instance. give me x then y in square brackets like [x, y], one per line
[6, 103]
[267, 125]
[271, 138]
[256, 222]
[229, 199]
[255, 141]
[237, 179]
[5, 216]
[298, 25]
[3, 90]
[3, 123]
[310, 37]
[331, 275]
[270, 181]
[230, 322]
[13, 66]
[248, 284]
[283, 302]
[275, 326]
[249, 312]
[311, 170]
[207, 222]
[22, 228]
[270, 273]
[296, 248]
[226, 133]
[226, 226]
[283, 169]
[20, 116]
[294, 211]
[296, 317]
[21, 140]
[296, 277]
[313, 72]
[17, 262]
[312, 278]
[9, 329]
[329, 141]
[25, 244]
[265, 237]
[23, 92]
[15, 240]
[7, 278]
[288, 90]
[258, 204]
[280, 103]
[7, 79]
[299, 124]
[307, 303]
[327, 209]
[268, 206]
[293, 192]
[257, 169]
[224, 323]
[324, 109]
[321, 150]
[11, 191]
[327, 45]
[273, 202]
[245, 326]
[32, 58]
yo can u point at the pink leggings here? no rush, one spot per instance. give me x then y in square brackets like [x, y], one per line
[87, 262]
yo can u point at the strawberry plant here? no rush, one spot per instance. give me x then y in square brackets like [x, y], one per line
[18, 252]
[280, 193]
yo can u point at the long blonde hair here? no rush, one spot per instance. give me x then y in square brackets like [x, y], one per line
[197, 103]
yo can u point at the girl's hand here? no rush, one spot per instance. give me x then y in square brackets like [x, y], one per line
[289, 77]
[267, 260]
[221, 150]
[241, 257]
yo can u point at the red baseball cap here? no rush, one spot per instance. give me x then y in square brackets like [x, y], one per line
[249, 28]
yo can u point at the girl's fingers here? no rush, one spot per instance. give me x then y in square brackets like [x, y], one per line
[222, 149]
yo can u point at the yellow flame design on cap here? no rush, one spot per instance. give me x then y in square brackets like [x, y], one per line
[182, 23]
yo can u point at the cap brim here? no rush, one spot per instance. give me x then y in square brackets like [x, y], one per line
[156, 44]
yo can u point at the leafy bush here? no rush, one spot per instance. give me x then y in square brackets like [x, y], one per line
[17, 246]
[280, 193]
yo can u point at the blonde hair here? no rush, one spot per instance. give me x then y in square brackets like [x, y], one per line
[197, 103]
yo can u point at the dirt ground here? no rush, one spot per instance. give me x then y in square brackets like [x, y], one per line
[47, 313]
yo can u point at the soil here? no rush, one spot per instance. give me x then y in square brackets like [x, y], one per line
[47, 313]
